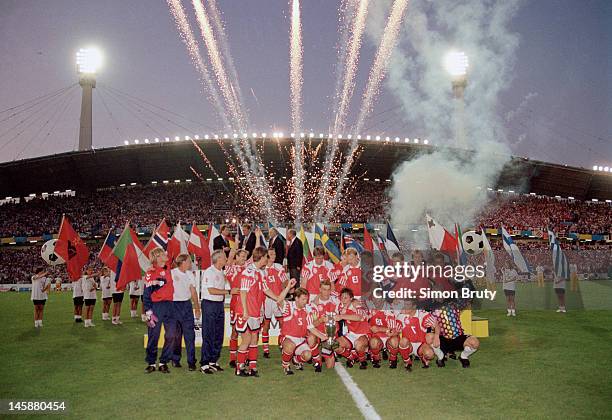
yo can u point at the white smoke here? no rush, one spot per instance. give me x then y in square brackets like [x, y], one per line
[449, 188]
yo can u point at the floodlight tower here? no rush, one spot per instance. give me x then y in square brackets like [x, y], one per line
[456, 63]
[88, 61]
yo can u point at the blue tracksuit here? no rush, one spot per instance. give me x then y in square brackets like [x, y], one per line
[183, 314]
[164, 311]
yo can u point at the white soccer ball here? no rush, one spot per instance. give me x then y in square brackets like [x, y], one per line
[472, 242]
[48, 254]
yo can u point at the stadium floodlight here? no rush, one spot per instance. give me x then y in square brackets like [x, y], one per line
[280, 134]
[321, 135]
[387, 138]
[456, 63]
[292, 135]
[416, 141]
[254, 135]
[188, 180]
[132, 183]
[126, 142]
[88, 60]
[147, 141]
[122, 185]
[594, 167]
[302, 135]
[570, 198]
[397, 139]
[606, 169]
[177, 181]
[377, 138]
[156, 139]
[350, 136]
[358, 136]
[136, 141]
[368, 137]
[425, 141]
[197, 137]
[187, 138]
[600, 168]
[154, 182]
[165, 181]
[311, 135]
[263, 135]
[167, 139]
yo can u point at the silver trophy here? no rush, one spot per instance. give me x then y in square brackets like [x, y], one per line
[330, 329]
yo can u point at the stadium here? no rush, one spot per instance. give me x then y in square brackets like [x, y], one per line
[534, 331]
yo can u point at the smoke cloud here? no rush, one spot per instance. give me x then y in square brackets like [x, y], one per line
[451, 188]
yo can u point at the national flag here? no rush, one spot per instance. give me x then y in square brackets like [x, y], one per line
[72, 249]
[213, 232]
[368, 243]
[512, 249]
[178, 243]
[349, 242]
[461, 254]
[391, 242]
[330, 246]
[439, 238]
[159, 239]
[305, 245]
[143, 259]
[106, 252]
[128, 266]
[262, 238]
[198, 245]
[489, 258]
[318, 232]
[560, 262]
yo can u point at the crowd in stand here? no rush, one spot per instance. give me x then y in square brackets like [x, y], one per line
[94, 213]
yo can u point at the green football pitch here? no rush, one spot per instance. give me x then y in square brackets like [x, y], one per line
[540, 364]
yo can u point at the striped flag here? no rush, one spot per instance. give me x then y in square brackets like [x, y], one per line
[512, 249]
[198, 245]
[305, 245]
[560, 262]
[489, 258]
[391, 242]
[128, 267]
[159, 239]
[106, 252]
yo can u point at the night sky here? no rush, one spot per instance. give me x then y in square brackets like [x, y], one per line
[562, 74]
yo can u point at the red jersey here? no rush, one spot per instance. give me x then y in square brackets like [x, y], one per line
[351, 278]
[232, 274]
[415, 326]
[314, 274]
[166, 291]
[252, 282]
[383, 319]
[325, 307]
[296, 321]
[357, 327]
[275, 277]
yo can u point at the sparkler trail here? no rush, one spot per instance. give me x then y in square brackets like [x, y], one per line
[377, 74]
[216, 61]
[222, 37]
[353, 24]
[205, 158]
[295, 84]
[186, 34]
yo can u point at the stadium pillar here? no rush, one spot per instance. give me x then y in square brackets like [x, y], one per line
[459, 85]
[85, 130]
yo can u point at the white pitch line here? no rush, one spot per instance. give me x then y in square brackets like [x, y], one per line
[368, 411]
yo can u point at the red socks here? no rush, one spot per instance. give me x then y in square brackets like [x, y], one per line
[233, 347]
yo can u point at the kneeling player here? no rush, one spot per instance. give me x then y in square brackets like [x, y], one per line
[384, 335]
[325, 309]
[354, 345]
[450, 337]
[417, 335]
[297, 324]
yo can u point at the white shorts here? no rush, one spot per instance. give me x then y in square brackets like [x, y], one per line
[301, 345]
[353, 337]
[251, 324]
[415, 348]
[271, 309]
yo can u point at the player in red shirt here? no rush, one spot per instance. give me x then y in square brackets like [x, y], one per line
[335, 273]
[356, 318]
[384, 333]
[276, 279]
[325, 307]
[351, 274]
[297, 325]
[315, 271]
[249, 310]
[417, 334]
[234, 266]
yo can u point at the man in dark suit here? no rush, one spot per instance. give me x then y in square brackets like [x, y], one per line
[295, 255]
[278, 244]
[220, 242]
[249, 239]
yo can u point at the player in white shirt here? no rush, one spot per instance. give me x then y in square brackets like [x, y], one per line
[510, 276]
[184, 296]
[117, 299]
[40, 286]
[77, 299]
[89, 286]
[107, 292]
[58, 284]
[136, 290]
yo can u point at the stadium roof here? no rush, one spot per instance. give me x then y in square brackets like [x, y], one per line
[144, 163]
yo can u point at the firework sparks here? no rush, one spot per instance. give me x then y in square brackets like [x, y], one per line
[377, 74]
[186, 34]
[295, 84]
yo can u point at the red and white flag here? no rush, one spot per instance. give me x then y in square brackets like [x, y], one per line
[368, 243]
[178, 243]
[198, 245]
[72, 249]
[439, 238]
